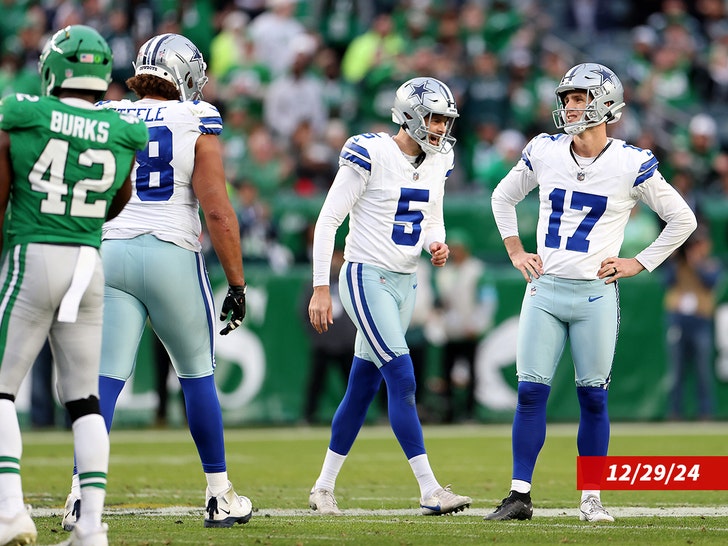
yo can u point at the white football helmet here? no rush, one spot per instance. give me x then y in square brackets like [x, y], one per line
[415, 102]
[603, 88]
[174, 58]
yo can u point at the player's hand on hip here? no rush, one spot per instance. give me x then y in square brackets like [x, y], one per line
[233, 308]
[619, 268]
[530, 265]
[440, 253]
[320, 311]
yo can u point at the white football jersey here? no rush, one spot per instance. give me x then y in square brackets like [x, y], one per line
[584, 210]
[394, 208]
[163, 203]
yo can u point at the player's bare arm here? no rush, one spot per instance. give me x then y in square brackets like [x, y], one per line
[619, 268]
[440, 252]
[208, 182]
[320, 311]
[530, 265]
[121, 198]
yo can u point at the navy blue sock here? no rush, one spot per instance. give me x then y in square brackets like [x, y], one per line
[363, 385]
[205, 419]
[109, 391]
[529, 428]
[400, 377]
[593, 436]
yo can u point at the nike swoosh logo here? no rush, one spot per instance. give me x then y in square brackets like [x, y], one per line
[226, 511]
[594, 298]
[433, 508]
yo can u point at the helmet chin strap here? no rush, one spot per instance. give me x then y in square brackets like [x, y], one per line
[575, 129]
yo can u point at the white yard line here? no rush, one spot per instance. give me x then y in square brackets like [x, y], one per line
[616, 511]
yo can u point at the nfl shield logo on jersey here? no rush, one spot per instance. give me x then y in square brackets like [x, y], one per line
[415, 176]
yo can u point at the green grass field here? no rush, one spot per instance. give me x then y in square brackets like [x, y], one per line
[156, 489]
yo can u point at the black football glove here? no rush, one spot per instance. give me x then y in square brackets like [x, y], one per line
[234, 307]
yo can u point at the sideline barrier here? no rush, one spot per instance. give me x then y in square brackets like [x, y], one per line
[262, 367]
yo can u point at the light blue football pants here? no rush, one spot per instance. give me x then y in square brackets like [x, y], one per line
[380, 303]
[149, 278]
[554, 310]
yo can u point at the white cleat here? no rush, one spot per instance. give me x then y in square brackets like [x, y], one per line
[71, 512]
[91, 537]
[227, 508]
[323, 502]
[444, 501]
[591, 509]
[17, 530]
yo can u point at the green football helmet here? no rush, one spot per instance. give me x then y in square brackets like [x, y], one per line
[75, 57]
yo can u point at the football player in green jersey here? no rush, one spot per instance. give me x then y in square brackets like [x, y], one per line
[64, 170]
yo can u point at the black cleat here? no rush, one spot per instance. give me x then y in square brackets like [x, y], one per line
[514, 506]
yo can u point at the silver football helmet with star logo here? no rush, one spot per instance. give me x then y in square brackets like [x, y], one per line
[176, 59]
[605, 97]
[415, 102]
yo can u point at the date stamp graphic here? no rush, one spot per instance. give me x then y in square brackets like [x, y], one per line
[705, 473]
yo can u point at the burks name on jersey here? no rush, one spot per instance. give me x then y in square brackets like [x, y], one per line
[79, 127]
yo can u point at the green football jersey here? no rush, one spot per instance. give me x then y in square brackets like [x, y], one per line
[68, 163]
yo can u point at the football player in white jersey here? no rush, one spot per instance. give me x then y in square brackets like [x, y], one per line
[587, 184]
[153, 261]
[392, 189]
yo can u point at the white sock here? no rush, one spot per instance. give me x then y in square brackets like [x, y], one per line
[217, 482]
[91, 444]
[424, 475]
[519, 486]
[330, 470]
[591, 493]
[11, 489]
[92, 506]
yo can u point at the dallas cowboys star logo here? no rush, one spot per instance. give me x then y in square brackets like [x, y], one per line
[604, 74]
[601, 73]
[196, 55]
[420, 91]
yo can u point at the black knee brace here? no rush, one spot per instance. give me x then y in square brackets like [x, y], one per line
[84, 406]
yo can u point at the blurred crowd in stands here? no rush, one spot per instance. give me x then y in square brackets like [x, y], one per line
[293, 79]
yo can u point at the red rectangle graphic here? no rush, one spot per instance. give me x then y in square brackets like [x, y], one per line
[705, 473]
